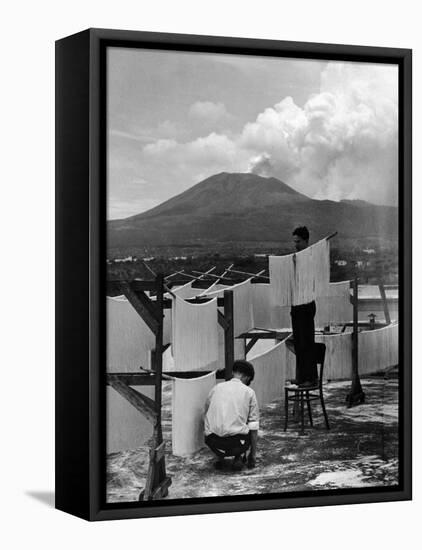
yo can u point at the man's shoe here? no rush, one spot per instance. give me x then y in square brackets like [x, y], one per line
[251, 463]
[237, 464]
[219, 465]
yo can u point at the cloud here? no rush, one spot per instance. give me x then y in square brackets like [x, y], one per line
[208, 111]
[341, 144]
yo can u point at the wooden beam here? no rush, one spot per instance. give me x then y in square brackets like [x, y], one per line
[142, 403]
[331, 236]
[251, 344]
[256, 275]
[158, 453]
[162, 490]
[384, 303]
[150, 305]
[219, 277]
[228, 334]
[193, 276]
[132, 378]
[157, 480]
[173, 274]
[139, 305]
[267, 335]
[224, 273]
[356, 395]
[222, 320]
[113, 285]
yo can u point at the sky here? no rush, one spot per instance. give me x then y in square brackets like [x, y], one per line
[327, 129]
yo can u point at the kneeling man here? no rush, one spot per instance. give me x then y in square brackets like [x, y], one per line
[232, 418]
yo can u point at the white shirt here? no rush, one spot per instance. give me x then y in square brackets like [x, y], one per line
[231, 408]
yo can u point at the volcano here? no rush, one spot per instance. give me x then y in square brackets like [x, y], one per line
[240, 208]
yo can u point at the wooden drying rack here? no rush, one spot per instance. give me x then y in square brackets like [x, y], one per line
[152, 312]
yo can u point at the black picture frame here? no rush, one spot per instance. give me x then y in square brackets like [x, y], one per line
[80, 271]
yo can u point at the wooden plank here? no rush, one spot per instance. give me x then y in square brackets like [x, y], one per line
[158, 453]
[158, 469]
[222, 320]
[331, 236]
[146, 494]
[356, 395]
[228, 334]
[219, 277]
[251, 344]
[142, 403]
[138, 305]
[268, 335]
[133, 378]
[384, 303]
[149, 305]
[157, 363]
[137, 284]
[197, 278]
[224, 274]
[258, 275]
[162, 489]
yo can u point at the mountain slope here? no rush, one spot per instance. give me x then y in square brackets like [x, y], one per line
[247, 207]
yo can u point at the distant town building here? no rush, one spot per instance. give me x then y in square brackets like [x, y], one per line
[125, 260]
[369, 251]
[360, 263]
[149, 259]
[260, 255]
[341, 263]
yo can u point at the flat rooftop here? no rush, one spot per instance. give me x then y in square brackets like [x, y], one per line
[360, 450]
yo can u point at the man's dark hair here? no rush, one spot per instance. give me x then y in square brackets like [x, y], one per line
[302, 232]
[244, 367]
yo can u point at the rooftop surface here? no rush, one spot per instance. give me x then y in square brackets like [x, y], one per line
[360, 450]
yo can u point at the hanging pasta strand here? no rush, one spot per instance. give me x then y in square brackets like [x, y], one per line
[195, 337]
[301, 277]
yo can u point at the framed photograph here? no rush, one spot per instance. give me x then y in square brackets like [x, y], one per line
[233, 274]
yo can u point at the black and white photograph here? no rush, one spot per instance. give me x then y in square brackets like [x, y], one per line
[252, 262]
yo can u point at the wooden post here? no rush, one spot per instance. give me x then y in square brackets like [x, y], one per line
[228, 334]
[384, 303]
[356, 395]
[157, 482]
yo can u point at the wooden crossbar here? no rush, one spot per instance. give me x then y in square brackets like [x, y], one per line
[139, 302]
[142, 403]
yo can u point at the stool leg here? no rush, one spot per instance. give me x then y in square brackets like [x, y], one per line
[321, 397]
[308, 402]
[286, 408]
[302, 414]
[296, 407]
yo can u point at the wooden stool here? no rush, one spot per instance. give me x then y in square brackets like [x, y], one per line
[302, 394]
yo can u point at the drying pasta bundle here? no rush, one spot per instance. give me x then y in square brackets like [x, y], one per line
[188, 403]
[242, 305]
[195, 337]
[335, 308]
[270, 373]
[129, 339]
[300, 278]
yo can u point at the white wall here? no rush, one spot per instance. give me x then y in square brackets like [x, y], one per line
[27, 191]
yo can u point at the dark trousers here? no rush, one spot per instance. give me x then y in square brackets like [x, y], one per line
[232, 445]
[304, 340]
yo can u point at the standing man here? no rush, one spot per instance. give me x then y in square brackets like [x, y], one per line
[304, 327]
[232, 418]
